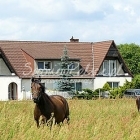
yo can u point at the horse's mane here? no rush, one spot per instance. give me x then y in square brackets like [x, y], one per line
[45, 94]
[43, 87]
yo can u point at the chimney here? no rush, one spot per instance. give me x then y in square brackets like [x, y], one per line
[74, 40]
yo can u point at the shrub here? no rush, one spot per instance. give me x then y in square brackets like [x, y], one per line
[116, 92]
[106, 87]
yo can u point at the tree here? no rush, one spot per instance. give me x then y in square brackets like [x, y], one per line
[136, 82]
[64, 83]
[131, 56]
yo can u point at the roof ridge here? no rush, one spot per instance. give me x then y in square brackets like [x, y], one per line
[25, 41]
[104, 41]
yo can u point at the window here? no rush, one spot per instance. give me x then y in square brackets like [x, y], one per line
[40, 65]
[47, 65]
[109, 67]
[44, 65]
[71, 66]
[77, 86]
[113, 84]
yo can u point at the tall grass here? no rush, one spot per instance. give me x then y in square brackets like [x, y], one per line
[102, 119]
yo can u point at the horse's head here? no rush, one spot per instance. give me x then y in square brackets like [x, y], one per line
[37, 89]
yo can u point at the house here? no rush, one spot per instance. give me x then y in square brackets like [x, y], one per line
[92, 65]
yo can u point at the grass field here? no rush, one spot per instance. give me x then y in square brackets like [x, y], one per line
[101, 119]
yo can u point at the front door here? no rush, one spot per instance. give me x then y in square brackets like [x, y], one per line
[12, 91]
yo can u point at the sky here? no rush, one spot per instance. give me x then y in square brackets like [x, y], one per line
[59, 20]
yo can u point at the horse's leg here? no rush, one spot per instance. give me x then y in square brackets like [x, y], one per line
[37, 115]
[138, 108]
[68, 119]
[51, 121]
[67, 113]
[37, 121]
[43, 120]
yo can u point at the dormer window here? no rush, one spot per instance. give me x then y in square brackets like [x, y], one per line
[44, 65]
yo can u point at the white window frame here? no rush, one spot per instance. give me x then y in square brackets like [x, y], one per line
[50, 65]
[107, 67]
[44, 65]
[112, 84]
[75, 85]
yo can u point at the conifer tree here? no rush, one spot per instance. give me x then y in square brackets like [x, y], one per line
[64, 83]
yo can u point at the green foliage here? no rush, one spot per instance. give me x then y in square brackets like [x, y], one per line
[116, 92]
[87, 94]
[131, 56]
[99, 90]
[64, 83]
[106, 87]
[119, 92]
[136, 82]
[96, 94]
[127, 85]
[88, 91]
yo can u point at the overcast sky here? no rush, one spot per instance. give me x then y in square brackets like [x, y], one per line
[59, 20]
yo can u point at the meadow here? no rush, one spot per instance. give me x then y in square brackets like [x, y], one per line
[101, 119]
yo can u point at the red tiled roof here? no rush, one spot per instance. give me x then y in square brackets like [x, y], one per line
[86, 52]
[15, 58]
[100, 50]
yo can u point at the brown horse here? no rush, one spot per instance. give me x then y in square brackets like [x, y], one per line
[138, 103]
[47, 105]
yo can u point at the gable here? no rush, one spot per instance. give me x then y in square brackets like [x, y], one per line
[4, 70]
[113, 54]
[5, 66]
[100, 50]
[15, 59]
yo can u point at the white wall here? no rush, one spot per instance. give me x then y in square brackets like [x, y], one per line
[100, 81]
[4, 83]
[86, 83]
[26, 83]
[52, 84]
[26, 89]
[93, 84]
